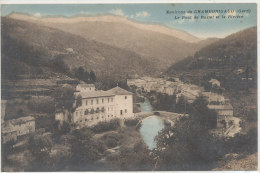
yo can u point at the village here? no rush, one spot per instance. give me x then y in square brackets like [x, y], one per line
[227, 124]
[102, 106]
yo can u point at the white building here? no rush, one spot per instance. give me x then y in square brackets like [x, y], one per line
[99, 106]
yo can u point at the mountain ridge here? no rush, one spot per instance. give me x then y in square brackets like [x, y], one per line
[164, 48]
[31, 43]
[183, 35]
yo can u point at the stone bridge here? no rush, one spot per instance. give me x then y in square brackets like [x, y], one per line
[170, 117]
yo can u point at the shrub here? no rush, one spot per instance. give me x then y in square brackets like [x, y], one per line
[131, 122]
[105, 126]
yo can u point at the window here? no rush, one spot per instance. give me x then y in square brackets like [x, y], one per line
[91, 102]
[92, 111]
[97, 111]
[80, 121]
[108, 100]
[102, 100]
[86, 119]
[102, 109]
[121, 112]
[125, 110]
[125, 97]
[86, 102]
[86, 112]
[90, 89]
[111, 99]
[92, 118]
[108, 116]
[97, 101]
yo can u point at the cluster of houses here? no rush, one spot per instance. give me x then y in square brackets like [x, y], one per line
[160, 85]
[190, 92]
[15, 128]
[98, 106]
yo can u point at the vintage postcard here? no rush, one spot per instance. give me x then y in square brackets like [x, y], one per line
[129, 87]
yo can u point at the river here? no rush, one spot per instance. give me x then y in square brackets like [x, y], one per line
[150, 125]
[146, 106]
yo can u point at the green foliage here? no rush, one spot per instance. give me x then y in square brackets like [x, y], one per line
[60, 129]
[64, 97]
[181, 105]
[79, 101]
[242, 143]
[131, 122]
[184, 145]
[84, 75]
[92, 76]
[162, 101]
[105, 126]
[111, 140]
[200, 113]
[59, 65]
[136, 159]
[40, 147]
[85, 151]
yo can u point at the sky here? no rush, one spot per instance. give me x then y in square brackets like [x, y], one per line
[222, 20]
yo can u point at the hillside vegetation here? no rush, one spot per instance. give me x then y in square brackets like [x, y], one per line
[230, 60]
[26, 44]
[153, 42]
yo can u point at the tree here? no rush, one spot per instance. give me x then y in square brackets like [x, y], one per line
[85, 151]
[205, 117]
[181, 105]
[79, 73]
[40, 147]
[79, 101]
[186, 146]
[59, 65]
[64, 97]
[92, 76]
[86, 76]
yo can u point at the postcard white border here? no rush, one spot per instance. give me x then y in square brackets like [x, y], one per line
[155, 2]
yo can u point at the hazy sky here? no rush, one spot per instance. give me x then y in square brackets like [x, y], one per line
[157, 13]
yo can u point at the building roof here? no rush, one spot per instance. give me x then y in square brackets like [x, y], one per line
[95, 94]
[112, 92]
[21, 120]
[8, 126]
[221, 107]
[119, 91]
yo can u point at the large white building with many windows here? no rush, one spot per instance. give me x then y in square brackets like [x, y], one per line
[98, 106]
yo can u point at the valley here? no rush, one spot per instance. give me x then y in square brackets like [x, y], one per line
[48, 63]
